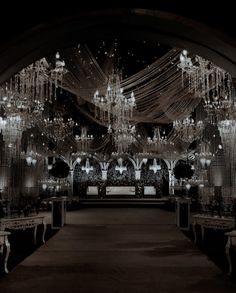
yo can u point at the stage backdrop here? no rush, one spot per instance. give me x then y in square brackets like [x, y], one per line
[82, 180]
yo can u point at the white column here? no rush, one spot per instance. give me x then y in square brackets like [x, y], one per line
[104, 175]
[137, 174]
[70, 179]
[171, 182]
[171, 164]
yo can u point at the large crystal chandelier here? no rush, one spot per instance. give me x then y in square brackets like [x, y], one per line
[208, 82]
[188, 130]
[116, 111]
[23, 97]
[34, 84]
[114, 108]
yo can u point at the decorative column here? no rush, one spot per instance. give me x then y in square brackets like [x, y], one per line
[137, 163]
[104, 167]
[104, 175]
[70, 179]
[137, 174]
[171, 164]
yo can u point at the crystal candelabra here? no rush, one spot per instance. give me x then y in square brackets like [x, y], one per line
[158, 142]
[188, 130]
[84, 140]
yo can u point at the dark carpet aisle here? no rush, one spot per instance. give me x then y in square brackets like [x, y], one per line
[117, 250]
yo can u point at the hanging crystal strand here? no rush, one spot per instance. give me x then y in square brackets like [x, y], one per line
[50, 91]
[213, 84]
[55, 85]
[61, 82]
[46, 86]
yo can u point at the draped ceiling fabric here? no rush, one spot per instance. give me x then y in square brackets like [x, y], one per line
[158, 88]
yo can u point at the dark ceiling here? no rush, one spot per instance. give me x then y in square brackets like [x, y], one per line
[23, 15]
[130, 56]
[31, 30]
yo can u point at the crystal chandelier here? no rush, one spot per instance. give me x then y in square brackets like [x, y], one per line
[218, 108]
[22, 99]
[206, 80]
[114, 108]
[116, 111]
[188, 130]
[123, 137]
[31, 155]
[35, 83]
[158, 142]
[56, 128]
[227, 126]
[84, 140]
[205, 155]
[11, 128]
